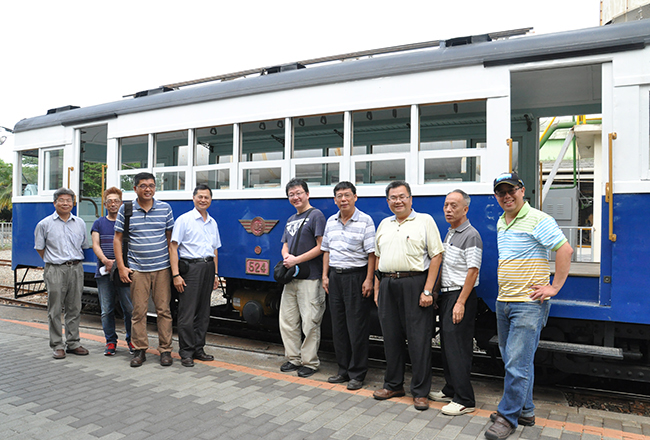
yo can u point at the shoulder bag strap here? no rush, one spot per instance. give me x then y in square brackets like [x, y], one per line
[126, 238]
[295, 243]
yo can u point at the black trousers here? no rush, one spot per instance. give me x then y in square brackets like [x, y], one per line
[350, 313]
[194, 308]
[457, 341]
[402, 318]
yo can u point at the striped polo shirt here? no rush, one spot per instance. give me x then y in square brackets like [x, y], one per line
[524, 247]
[349, 244]
[463, 250]
[148, 250]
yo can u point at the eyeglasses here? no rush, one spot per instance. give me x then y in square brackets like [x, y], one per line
[113, 201]
[511, 192]
[62, 201]
[346, 196]
[401, 198]
[150, 186]
[296, 194]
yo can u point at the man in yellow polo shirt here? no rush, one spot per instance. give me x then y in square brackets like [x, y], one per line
[409, 251]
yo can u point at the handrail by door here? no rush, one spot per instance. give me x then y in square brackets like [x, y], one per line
[609, 188]
[509, 142]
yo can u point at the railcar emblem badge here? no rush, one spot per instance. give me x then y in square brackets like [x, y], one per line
[258, 226]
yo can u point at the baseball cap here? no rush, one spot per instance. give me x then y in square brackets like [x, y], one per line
[509, 178]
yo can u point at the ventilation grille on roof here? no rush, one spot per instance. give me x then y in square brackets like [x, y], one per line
[62, 109]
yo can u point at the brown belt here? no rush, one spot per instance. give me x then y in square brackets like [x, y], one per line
[401, 274]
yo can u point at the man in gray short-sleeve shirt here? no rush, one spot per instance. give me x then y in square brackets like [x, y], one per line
[59, 240]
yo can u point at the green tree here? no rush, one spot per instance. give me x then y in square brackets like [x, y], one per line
[6, 179]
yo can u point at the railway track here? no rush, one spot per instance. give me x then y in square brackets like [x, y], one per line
[5, 263]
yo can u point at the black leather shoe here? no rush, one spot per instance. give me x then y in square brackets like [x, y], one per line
[166, 359]
[355, 384]
[305, 371]
[288, 366]
[339, 378]
[138, 358]
[201, 355]
[187, 362]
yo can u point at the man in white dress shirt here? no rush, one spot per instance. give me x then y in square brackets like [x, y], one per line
[196, 239]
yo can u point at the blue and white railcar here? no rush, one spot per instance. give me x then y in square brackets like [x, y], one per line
[441, 118]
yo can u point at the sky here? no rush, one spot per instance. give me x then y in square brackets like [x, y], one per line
[72, 52]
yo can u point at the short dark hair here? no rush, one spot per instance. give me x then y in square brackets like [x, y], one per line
[345, 185]
[466, 196]
[397, 184]
[296, 182]
[201, 187]
[64, 192]
[143, 176]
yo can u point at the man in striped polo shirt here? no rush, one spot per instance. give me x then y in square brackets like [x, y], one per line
[457, 302]
[148, 270]
[348, 273]
[525, 236]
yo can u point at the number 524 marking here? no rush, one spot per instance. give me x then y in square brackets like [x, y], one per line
[257, 267]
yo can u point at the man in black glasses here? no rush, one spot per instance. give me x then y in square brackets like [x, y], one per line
[148, 270]
[302, 304]
[525, 236]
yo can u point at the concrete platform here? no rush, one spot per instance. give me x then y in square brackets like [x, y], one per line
[240, 395]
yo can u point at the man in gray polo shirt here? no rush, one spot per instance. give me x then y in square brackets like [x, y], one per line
[461, 262]
[148, 271]
[59, 239]
[348, 271]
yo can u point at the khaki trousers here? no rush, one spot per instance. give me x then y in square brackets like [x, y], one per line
[156, 284]
[301, 308]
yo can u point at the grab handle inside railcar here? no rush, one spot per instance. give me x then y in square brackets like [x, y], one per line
[609, 189]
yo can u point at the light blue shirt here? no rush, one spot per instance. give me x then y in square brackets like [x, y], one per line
[196, 238]
[62, 240]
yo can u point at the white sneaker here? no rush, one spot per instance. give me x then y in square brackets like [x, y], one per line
[439, 396]
[456, 409]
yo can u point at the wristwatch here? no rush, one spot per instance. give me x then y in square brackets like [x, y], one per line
[427, 293]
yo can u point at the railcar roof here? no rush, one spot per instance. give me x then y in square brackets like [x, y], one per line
[598, 40]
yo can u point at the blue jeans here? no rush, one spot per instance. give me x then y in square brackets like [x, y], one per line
[519, 325]
[107, 296]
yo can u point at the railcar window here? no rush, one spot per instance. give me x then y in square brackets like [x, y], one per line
[171, 148]
[134, 152]
[381, 132]
[318, 174]
[263, 141]
[170, 181]
[448, 134]
[29, 173]
[53, 169]
[215, 179]
[452, 169]
[379, 171]
[318, 136]
[213, 145]
[262, 177]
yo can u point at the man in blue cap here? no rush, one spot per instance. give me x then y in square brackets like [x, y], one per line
[525, 236]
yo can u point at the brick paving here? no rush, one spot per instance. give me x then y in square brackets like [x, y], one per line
[95, 397]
